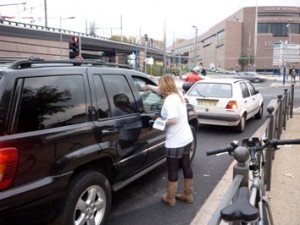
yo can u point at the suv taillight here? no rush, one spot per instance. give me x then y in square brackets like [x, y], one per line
[8, 165]
[232, 105]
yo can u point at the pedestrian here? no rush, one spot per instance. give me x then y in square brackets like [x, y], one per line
[294, 75]
[193, 77]
[203, 71]
[178, 141]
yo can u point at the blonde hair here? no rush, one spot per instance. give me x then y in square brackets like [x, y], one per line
[167, 86]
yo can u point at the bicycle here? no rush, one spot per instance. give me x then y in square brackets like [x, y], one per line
[249, 203]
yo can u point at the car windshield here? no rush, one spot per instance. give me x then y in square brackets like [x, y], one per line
[216, 90]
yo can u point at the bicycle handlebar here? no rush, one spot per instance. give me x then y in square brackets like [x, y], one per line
[274, 142]
[220, 150]
[229, 148]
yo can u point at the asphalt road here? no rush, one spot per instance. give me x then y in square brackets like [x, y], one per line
[139, 203]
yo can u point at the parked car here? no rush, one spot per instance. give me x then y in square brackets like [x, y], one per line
[225, 102]
[71, 133]
[251, 76]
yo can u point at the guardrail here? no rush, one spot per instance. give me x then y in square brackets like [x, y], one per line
[279, 111]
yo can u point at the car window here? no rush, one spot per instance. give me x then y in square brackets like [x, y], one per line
[119, 94]
[251, 88]
[218, 90]
[54, 101]
[102, 106]
[244, 89]
[151, 101]
[250, 74]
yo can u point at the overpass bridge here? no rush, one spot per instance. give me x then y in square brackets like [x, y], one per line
[23, 40]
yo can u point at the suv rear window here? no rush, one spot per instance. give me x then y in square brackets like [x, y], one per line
[52, 101]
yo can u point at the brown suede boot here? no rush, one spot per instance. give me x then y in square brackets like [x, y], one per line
[169, 198]
[187, 195]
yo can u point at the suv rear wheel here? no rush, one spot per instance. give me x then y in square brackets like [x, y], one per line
[87, 200]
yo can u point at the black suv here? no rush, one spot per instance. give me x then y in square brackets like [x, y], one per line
[71, 133]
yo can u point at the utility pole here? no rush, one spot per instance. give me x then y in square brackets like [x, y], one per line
[146, 42]
[195, 45]
[46, 16]
[165, 49]
[60, 32]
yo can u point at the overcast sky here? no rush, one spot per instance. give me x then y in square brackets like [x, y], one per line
[136, 17]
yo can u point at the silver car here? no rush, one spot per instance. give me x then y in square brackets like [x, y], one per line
[251, 76]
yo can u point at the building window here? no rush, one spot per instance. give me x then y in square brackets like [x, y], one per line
[276, 14]
[278, 29]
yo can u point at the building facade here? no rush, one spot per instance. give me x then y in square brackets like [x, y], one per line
[244, 40]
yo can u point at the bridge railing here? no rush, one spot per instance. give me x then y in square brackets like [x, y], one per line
[279, 111]
[58, 30]
[51, 29]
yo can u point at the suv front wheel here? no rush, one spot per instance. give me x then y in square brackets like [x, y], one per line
[87, 200]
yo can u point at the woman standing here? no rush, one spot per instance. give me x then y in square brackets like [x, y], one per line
[179, 138]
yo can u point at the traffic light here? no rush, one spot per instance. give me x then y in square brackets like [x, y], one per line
[75, 44]
[146, 37]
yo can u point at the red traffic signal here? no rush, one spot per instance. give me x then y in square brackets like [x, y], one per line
[75, 44]
[75, 40]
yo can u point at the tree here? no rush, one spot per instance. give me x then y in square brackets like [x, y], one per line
[245, 60]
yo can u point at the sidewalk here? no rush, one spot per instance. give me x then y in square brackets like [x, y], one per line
[284, 196]
[285, 183]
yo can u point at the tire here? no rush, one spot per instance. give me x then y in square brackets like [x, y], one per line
[87, 200]
[194, 144]
[241, 126]
[260, 112]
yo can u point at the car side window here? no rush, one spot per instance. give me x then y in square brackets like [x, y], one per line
[251, 88]
[151, 101]
[53, 101]
[102, 107]
[119, 94]
[244, 89]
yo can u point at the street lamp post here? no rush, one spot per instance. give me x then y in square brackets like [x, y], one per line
[146, 42]
[60, 33]
[255, 38]
[289, 33]
[195, 45]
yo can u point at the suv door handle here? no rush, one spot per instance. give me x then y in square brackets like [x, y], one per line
[109, 131]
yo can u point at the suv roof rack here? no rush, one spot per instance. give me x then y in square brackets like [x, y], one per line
[23, 64]
[10, 59]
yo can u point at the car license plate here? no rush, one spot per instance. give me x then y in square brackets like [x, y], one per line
[207, 102]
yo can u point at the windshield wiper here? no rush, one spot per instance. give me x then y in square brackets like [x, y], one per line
[198, 92]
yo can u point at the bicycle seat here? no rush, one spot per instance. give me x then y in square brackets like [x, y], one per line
[240, 209]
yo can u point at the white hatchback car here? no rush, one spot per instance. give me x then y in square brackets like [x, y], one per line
[225, 102]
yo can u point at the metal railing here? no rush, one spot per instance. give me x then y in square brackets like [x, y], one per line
[279, 111]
